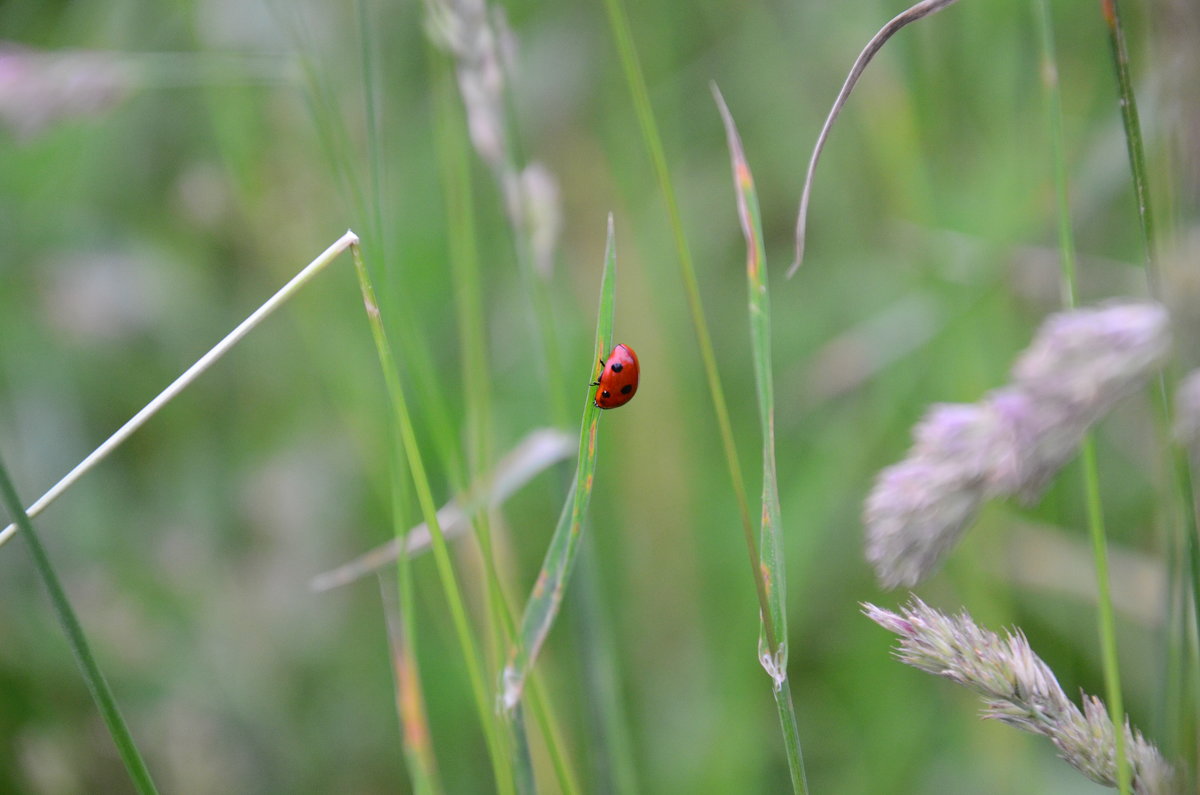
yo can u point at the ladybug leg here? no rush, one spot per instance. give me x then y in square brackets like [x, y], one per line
[597, 381]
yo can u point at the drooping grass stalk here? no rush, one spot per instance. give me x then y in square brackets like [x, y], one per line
[619, 22]
[496, 742]
[543, 605]
[771, 558]
[909, 15]
[96, 683]
[539, 450]
[1091, 474]
[183, 381]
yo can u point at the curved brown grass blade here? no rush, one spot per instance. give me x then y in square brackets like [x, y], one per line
[922, 9]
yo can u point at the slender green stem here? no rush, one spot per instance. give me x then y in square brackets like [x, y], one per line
[1091, 474]
[410, 704]
[1180, 463]
[619, 23]
[791, 738]
[611, 751]
[524, 762]
[96, 683]
[474, 663]
[1107, 621]
[1133, 134]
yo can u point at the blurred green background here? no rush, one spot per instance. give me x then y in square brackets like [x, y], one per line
[135, 232]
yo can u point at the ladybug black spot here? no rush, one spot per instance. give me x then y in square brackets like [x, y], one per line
[605, 394]
[625, 390]
[617, 367]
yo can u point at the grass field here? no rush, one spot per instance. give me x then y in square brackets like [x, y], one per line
[165, 168]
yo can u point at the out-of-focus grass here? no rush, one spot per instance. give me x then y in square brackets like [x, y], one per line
[927, 267]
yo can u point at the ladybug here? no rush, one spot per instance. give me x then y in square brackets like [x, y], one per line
[618, 381]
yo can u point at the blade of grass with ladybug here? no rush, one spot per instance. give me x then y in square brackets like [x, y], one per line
[546, 598]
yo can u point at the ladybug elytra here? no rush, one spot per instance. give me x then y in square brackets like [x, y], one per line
[618, 381]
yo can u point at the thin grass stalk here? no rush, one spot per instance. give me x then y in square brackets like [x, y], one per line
[460, 219]
[464, 261]
[469, 311]
[546, 599]
[619, 23]
[1133, 135]
[368, 201]
[484, 51]
[416, 738]
[1104, 606]
[412, 344]
[1181, 465]
[189, 375]
[496, 743]
[771, 560]
[1091, 474]
[97, 685]
[610, 750]
[523, 761]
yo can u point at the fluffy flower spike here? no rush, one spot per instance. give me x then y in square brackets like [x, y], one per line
[1019, 689]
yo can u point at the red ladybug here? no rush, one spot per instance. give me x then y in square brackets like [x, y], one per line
[618, 381]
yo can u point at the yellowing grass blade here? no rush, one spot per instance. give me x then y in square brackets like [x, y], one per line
[772, 647]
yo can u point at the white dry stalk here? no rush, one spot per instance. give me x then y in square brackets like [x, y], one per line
[536, 452]
[912, 14]
[1019, 689]
[1014, 440]
[183, 381]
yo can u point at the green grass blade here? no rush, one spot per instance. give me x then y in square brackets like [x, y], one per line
[771, 559]
[544, 602]
[1091, 474]
[619, 23]
[1133, 132]
[96, 683]
[496, 742]
[1181, 465]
